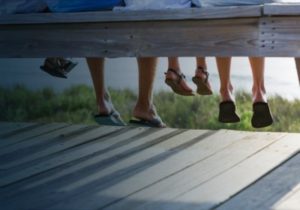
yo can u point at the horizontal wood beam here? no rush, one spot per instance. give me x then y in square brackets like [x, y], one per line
[185, 36]
[238, 37]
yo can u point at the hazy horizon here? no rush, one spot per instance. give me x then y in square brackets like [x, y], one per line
[280, 76]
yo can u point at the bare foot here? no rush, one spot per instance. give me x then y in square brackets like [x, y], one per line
[105, 105]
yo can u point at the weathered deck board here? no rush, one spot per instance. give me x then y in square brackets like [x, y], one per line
[142, 168]
[7, 127]
[13, 155]
[291, 201]
[274, 191]
[215, 31]
[196, 176]
[20, 136]
[287, 9]
[150, 38]
[14, 176]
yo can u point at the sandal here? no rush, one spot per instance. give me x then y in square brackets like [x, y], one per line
[178, 84]
[153, 123]
[58, 67]
[203, 86]
[111, 119]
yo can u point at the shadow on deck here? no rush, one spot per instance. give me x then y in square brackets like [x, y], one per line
[62, 166]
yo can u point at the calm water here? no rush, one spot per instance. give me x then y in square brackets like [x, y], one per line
[281, 77]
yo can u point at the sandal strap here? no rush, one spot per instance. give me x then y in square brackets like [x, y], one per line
[203, 70]
[180, 76]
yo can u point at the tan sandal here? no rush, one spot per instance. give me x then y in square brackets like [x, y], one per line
[177, 84]
[203, 86]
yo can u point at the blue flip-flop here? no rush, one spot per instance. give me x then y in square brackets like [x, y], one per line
[111, 119]
[154, 123]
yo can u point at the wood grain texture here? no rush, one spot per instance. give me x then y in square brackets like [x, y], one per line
[25, 151]
[153, 38]
[280, 36]
[28, 171]
[177, 192]
[7, 128]
[25, 134]
[282, 9]
[146, 15]
[146, 168]
[277, 190]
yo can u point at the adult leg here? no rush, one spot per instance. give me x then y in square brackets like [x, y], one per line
[224, 65]
[201, 77]
[96, 67]
[258, 72]
[107, 115]
[144, 109]
[227, 107]
[176, 79]
[262, 116]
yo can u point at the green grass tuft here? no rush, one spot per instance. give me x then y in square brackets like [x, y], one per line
[77, 105]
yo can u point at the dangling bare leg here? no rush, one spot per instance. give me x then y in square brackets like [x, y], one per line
[201, 77]
[227, 107]
[144, 111]
[107, 115]
[262, 116]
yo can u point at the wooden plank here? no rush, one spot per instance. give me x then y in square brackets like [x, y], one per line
[16, 175]
[152, 38]
[291, 201]
[109, 148]
[170, 144]
[125, 16]
[276, 191]
[282, 9]
[241, 175]
[28, 134]
[182, 164]
[9, 127]
[167, 193]
[297, 61]
[152, 154]
[133, 147]
[66, 157]
[22, 152]
[280, 36]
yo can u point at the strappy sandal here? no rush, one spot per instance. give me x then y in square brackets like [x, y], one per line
[176, 84]
[58, 67]
[203, 86]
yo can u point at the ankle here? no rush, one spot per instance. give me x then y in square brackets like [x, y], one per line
[144, 112]
[226, 94]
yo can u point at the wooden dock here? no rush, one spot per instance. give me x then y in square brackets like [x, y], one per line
[80, 167]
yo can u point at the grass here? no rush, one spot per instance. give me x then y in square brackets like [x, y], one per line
[77, 105]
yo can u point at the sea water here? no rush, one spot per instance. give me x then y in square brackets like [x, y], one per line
[280, 75]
